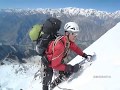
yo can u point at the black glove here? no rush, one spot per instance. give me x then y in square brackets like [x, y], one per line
[69, 68]
[85, 55]
[76, 67]
[72, 69]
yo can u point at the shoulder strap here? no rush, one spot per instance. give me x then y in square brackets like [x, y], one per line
[56, 41]
[66, 47]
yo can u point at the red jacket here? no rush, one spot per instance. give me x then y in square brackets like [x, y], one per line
[57, 57]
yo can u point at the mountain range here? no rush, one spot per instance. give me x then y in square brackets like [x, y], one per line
[92, 23]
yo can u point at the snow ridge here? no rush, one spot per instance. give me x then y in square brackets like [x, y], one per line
[68, 11]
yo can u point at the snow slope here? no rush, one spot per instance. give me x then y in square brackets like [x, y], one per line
[103, 74]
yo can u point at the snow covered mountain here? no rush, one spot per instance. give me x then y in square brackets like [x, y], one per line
[67, 11]
[103, 74]
[93, 23]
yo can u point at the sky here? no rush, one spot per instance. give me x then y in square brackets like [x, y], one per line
[103, 74]
[103, 5]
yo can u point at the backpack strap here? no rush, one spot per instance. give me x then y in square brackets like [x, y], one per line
[67, 46]
[55, 42]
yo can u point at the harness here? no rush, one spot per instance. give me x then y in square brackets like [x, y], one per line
[67, 45]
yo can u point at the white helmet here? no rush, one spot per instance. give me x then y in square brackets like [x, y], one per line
[71, 27]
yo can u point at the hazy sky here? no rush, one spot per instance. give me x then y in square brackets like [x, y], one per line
[104, 5]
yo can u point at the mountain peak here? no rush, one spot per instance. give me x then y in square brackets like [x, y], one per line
[67, 10]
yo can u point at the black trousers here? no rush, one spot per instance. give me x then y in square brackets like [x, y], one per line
[48, 78]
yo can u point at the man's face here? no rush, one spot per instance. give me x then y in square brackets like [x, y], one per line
[72, 36]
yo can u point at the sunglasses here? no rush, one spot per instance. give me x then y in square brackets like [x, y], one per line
[75, 33]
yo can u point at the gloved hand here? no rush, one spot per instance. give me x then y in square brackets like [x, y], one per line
[69, 68]
[85, 55]
[72, 69]
[76, 67]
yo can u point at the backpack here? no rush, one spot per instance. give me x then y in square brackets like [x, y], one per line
[49, 32]
[35, 32]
